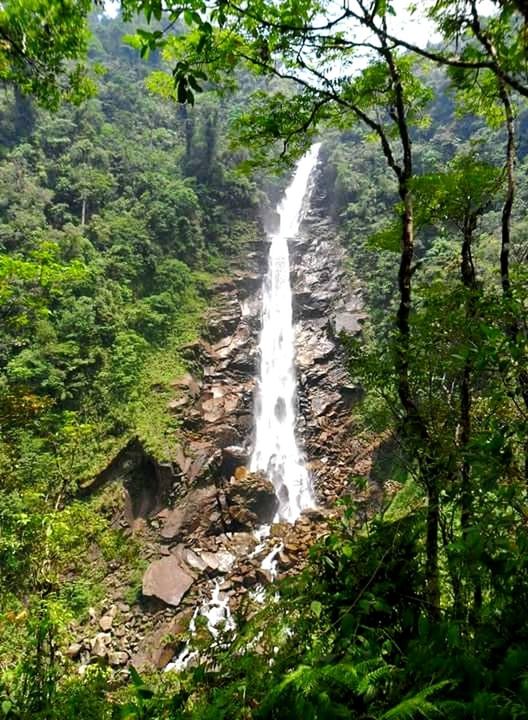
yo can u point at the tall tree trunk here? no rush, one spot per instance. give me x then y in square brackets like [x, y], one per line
[469, 280]
[431, 563]
[404, 307]
[415, 425]
[465, 436]
[510, 190]
[514, 325]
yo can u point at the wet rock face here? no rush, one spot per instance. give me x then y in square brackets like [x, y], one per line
[218, 415]
[244, 502]
[327, 302]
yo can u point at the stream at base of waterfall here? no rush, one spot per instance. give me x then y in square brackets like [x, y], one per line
[276, 451]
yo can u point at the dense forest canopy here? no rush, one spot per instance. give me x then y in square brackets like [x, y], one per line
[121, 203]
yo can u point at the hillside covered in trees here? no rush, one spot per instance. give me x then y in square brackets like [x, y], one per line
[140, 159]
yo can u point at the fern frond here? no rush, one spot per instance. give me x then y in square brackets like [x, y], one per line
[295, 677]
[344, 674]
[369, 684]
[416, 706]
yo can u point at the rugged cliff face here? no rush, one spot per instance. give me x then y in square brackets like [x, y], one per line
[198, 516]
[327, 302]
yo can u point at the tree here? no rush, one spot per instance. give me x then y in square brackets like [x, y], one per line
[43, 47]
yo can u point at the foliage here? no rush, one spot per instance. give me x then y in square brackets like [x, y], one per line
[350, 638]
[43, 49]
[114, 217]
[109, 226]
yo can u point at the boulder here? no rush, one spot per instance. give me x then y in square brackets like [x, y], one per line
[115, 659]
[210, 559]
[222, 560]
[173, 524]
[188, 383]
[159, 647]
[227, 434]
[251, 496]
[74, 650]
[233, 457]
[177, 404]
[193, 560]
[192, 513]
[105, 623]
[167, 580]
[347, 322]
[99, 645]
[213, 409]
[204, 464]
[315, 515]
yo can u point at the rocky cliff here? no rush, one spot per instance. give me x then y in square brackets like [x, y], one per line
[197, 516]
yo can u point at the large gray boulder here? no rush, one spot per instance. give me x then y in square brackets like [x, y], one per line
[167, 580]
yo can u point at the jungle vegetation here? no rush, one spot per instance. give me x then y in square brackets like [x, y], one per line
[418, 611]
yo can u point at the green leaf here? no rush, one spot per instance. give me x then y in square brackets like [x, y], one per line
[128, 712]
[417, 705]
[191, 17]
[316, 608]
[348, 550]
[348, 624]
[136, 677]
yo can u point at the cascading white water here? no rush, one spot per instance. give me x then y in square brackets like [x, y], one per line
[276, 451]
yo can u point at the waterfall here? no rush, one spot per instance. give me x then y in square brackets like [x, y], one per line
[276, 451]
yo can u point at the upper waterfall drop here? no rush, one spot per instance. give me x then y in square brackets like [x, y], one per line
[276, 451]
